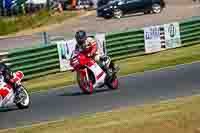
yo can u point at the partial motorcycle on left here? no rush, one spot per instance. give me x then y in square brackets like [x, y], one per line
[8, 95]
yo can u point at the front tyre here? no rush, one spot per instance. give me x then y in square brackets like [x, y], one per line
[25, 102]
[85, 85]
[147, 12]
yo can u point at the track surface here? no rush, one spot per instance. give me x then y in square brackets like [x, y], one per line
[150, 87]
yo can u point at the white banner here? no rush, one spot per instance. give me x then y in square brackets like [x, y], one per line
[36, 1]
[152, 39]
[65, 49]
[172, 35]
[101, 43]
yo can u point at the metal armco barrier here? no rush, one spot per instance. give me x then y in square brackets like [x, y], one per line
[34, 62]
[39, 61]
[131, 43]
[124, 44]
[190, 31]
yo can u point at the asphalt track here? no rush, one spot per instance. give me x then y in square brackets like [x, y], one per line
[150, 87]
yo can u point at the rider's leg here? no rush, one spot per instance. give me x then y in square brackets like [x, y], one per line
[97, 59]
[16, 87]
[16, 90]
[11, 79]
[101, 60]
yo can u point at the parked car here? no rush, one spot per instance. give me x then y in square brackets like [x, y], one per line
[118, 8]
[101, 3]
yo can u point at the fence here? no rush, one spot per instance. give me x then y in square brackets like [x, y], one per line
[34, 62]
[39, 61]
[190, 31]
[121, 45]
[131, 43]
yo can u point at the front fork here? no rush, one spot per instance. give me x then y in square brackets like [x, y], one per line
[84, 73]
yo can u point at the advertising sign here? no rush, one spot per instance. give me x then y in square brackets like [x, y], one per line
[65, 49]
[172, 35]
[152, 39]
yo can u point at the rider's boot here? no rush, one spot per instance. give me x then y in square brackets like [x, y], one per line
[104, 63]
[115, 68]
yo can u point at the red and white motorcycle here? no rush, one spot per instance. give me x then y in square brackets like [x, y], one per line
[90, 75]
[8, 96]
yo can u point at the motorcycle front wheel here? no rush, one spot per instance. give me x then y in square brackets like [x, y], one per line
[25, 102]
[85, 85]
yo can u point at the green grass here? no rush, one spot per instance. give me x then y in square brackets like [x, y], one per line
[10, 25]
[176, 116]
[127, 66]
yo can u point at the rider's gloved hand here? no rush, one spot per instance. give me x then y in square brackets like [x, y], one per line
[103, 58]
[12, 80]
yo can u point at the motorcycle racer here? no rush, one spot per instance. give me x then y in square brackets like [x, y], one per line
[88, 46]
[10, 79]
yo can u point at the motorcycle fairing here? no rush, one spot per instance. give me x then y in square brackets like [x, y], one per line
[6, 91]
[99, 74]
[6, 94]
[9, 99]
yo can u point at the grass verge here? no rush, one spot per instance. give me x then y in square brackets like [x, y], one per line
[127, 66]
[10, 25]
[178, 116]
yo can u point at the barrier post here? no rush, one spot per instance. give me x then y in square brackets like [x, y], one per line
[45, 36]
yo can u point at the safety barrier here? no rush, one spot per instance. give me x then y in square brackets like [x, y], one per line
[190, 31]
[39, 61]
[34, 62]
[125, 44]
[131, 43]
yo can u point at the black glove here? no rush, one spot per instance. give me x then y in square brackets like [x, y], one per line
[103, 58]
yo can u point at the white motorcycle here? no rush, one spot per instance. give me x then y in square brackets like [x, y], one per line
[8, 96]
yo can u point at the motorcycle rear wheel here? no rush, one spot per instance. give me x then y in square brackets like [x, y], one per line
[114, 83]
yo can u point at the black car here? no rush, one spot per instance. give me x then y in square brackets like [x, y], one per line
[102, 3]
[117, 8]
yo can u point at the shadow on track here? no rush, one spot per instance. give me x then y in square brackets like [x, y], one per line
[82, 94]
[8, 109]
